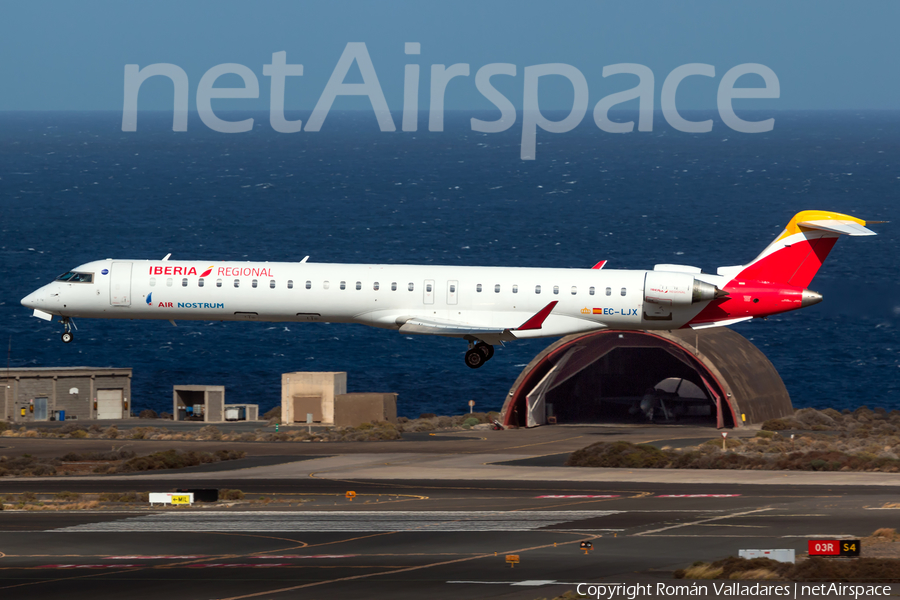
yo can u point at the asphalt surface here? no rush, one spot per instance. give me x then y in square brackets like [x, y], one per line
[421, 534]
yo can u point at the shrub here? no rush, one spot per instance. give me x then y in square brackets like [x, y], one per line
[69, 428]
[620, 454]
[176, 459]
[729, 443]
[124, 497]
[147, 413]
[273, 414]
[886, 533]
[471, 422]
[210, 432]
[231, 494]
[766, 434]
[112, 432]
[777, 425]
[70, 496]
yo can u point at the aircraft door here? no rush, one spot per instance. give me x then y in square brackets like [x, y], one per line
[120, 284]
[429, 291]
[452, 287]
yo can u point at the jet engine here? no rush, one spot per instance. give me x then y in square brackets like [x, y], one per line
[678, 289]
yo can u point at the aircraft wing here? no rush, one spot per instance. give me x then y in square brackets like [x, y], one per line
[722, 323]
[489, 334]
[453, 328]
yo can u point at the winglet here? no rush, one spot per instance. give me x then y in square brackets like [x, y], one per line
[599, 265]
[537, 320]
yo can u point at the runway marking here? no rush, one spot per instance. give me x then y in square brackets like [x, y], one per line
[70, 566]
[338, 521]
[304, 556]
[153, 557]
[697, 496]
[580, 496]
[235, 565]
[403, 570]
[729, 516]
[747, 526]
[501, 450]
[527, 582]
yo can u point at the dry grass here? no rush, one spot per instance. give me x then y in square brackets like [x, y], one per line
[702, 571]
[880, 563]
[378, 431]
[865, 440]
[121, 461]
[756, 574]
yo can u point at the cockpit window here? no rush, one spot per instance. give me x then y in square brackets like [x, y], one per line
[76, 277]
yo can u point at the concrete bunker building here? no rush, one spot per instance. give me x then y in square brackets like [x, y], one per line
[57, 393]
[709, 376]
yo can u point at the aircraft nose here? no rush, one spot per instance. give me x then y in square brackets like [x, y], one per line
[31, 300]
[809, 298]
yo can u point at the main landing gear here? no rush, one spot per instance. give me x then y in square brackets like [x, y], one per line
[478, 354]
[67, 335]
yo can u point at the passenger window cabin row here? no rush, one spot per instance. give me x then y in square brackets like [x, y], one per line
[375, 286]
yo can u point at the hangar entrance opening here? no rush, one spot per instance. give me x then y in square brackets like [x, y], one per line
[630, 385]
[710, 377]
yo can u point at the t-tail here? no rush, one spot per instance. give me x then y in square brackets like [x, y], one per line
[777, 280]
[795, 256]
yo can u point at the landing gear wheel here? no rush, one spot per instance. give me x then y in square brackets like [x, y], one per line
[486, 350]
[67, 337]
[474, 358]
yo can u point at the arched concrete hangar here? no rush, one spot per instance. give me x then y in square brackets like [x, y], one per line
[710, 376]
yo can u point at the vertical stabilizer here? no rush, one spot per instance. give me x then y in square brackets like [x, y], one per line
[797, 253]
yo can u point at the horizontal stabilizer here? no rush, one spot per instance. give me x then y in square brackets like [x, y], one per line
[835, 226]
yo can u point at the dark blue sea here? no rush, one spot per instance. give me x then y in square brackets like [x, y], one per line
[74, 188]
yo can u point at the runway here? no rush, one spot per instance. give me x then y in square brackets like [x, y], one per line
[433, 518]
[416, 539]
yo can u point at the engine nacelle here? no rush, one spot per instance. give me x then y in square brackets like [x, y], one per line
[678, 289]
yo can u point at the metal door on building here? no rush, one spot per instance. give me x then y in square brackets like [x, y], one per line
[109, 404]
[452, 291]
[120, 284]
[429, 291]
[40, 409]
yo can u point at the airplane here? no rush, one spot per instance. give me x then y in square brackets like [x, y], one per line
[485, 306]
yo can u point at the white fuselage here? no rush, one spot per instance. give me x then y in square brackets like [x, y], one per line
[377, 295]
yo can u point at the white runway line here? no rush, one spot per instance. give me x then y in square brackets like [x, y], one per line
[356, 521]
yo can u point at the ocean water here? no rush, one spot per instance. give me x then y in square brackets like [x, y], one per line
[74, 188]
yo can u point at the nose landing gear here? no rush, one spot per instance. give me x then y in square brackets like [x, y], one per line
[478, 354]
[67, 335]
